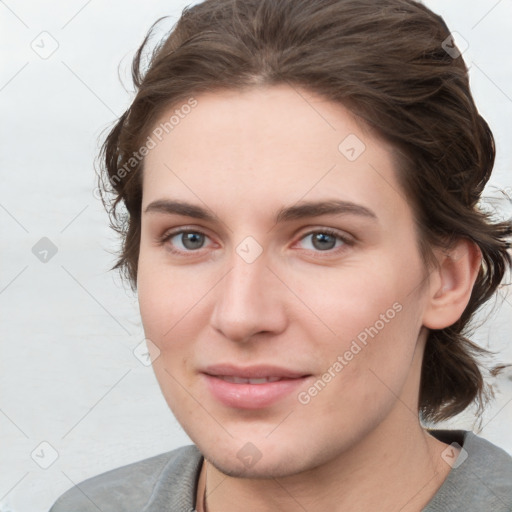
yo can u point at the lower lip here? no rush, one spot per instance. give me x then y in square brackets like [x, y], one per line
[251, 396]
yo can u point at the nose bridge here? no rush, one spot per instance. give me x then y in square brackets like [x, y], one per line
[246, 302]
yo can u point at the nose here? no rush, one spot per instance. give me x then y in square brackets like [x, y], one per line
[249, 301]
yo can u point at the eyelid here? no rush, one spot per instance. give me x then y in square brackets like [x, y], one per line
[342, 235]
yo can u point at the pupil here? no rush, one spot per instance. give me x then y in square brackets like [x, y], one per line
[321, 238]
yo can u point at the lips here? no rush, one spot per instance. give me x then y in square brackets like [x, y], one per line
[253, 387]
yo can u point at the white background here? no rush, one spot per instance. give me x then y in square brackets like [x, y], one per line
[68, 327]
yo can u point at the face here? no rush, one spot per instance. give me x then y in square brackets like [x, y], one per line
[279, 279]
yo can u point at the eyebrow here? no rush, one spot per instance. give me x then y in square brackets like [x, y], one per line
[301, 210]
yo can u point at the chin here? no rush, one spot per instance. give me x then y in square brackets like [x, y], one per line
[274, 468]
[264, 459]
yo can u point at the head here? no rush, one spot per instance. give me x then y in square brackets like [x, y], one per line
[251, 111]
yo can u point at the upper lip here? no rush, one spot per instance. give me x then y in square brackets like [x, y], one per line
[252, 372]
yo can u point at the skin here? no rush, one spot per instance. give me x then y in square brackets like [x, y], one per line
[358, 444]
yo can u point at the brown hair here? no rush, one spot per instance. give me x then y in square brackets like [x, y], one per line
[385, 61]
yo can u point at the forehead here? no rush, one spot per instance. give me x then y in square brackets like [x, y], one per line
[280, 118]
[270, 145]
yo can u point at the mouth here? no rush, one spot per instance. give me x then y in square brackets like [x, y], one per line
[241, 380]
[254, 387]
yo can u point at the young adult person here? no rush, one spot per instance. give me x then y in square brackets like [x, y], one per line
[301, 181]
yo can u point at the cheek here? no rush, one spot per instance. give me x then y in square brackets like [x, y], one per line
[365, 368]
[172, 307]
[373, 322]
[167, 299]
[154, 300]
[165, 304]
[350, 300]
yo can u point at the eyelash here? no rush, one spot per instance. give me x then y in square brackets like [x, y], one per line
[325, 231]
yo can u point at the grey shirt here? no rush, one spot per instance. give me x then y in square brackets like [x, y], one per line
[168, 482]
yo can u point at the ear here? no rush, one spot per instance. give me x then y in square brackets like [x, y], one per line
[451, 284]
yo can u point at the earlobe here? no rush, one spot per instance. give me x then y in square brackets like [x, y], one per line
[451, 284]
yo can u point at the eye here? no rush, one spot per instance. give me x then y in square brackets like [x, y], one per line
[188, 240]
[184, 240]
[325, 240]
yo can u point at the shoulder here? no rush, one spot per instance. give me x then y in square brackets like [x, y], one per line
[132, 487]
[480, 479]
[491, 467]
